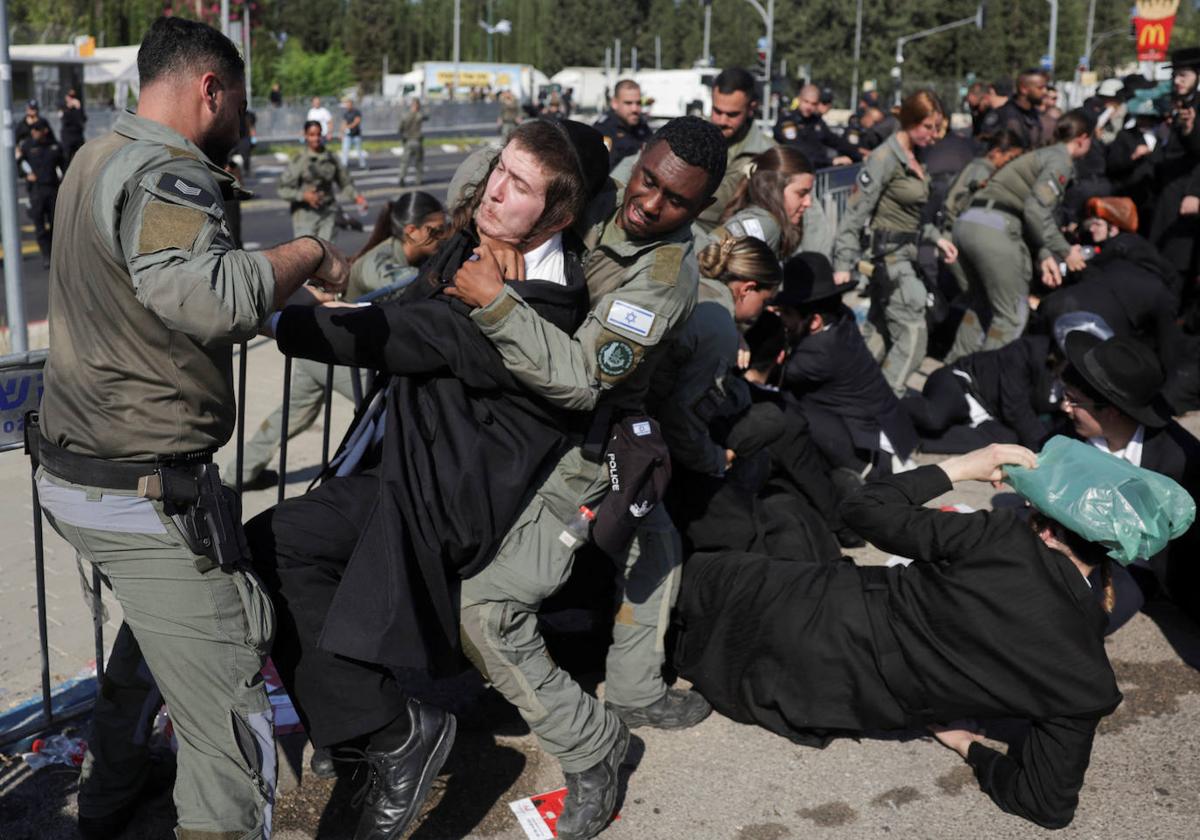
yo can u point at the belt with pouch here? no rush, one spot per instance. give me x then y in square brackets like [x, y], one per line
[884, 242]
[897, 673]
[992, 204]
[98, 472]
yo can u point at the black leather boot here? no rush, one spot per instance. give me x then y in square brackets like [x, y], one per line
[592, 794]
[401, 778]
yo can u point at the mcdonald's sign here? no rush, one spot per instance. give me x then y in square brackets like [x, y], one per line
[1153, 37]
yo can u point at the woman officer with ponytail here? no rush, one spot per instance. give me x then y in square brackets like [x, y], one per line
[407, 232]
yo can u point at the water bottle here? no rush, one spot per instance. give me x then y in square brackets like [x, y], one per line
[1088, 251]
[57, 749]
[578, 528]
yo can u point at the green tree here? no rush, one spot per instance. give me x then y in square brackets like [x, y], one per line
[313, 74]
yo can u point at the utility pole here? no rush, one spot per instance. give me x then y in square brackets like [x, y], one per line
[246, 50]
[490, 31]
[225, 18]
[9, 232]
[858, 17]
[657, 52]
[768, 17]
[1052, 46]
[617, 56]
[707, 33]
[633, 59]
[457, 54]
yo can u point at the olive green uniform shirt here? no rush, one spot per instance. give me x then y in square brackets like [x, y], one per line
[410, 125]
[889, 197]
[321, 171]
[382, 266]
[739, 162]
[147, 298]
[641, 291]
[972, 178]
[1031, 187]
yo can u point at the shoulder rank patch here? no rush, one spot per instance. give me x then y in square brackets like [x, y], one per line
[615, 358]
[667, 260]
[632, 318]
[190, 192]
[735, 229]
[754, 228]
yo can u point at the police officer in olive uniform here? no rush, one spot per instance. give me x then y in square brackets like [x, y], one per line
[414, 144]
[642, 279]
[42, 163]
[734, 101]
[1012, 217]
[890, 197]
[510, 113]
[147, 299]
[311, 183]
[623, 128]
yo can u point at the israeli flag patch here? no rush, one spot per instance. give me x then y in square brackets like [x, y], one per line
[631, 318]
[754, 228]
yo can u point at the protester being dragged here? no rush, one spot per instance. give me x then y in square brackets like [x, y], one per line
[775, 205]
[1008, 220]
[1112, 395]
[1126, 283]
[994, 618]
[853, 414]
[407, 232]
[365, 570]
[993, 396]
[893, 188]
[312, 183]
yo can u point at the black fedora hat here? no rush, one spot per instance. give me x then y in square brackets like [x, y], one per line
[1185, 57]
[807, 278]
[1123, 371]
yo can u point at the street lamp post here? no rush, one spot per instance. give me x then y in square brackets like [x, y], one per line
[858, 17]
[457, 55]
[897, 73]
[768, 16]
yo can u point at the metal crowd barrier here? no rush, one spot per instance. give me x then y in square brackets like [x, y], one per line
[832, 187]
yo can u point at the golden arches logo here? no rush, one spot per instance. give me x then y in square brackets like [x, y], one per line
[1153, 35]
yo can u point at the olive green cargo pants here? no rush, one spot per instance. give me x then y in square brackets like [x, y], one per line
[901, 347]
[413, 157]
[500, 633]
[204, 637]
[309, 222]
[305, 402]
[998, 267]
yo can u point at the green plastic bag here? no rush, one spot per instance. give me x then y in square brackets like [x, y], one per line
[1105, 499]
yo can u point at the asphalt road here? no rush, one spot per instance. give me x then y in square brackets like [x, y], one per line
[265, 218]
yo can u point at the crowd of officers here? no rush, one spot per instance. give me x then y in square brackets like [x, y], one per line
[616, 350]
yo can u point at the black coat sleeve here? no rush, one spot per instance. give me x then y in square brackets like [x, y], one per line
[423, 337]
[1017, 399]
[1042, 783]
[890, 514]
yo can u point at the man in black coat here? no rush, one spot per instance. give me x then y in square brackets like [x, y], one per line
[854, 417]
[42, 164]
[1112, 396]
[1174, 229]
[805, 129]
[1022, 114]
[991, 620]
[364, 570]
[624, 129]
[993, 396]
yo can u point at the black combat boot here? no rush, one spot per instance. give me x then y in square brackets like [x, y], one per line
[401, 778]
[592, 794]
[677, 709]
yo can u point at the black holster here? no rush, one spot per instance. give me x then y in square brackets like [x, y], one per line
[207, 513]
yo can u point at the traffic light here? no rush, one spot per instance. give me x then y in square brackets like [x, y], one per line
[761, 61]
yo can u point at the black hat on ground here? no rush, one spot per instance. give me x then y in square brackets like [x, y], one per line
[1185, 57]
[807, 278]
[589, 147]
[1123, 371]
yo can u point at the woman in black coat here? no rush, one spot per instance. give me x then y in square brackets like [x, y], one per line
[992, 620]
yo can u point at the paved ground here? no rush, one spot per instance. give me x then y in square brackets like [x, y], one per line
[720, 780]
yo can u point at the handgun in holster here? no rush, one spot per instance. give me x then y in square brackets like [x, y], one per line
[207, 513]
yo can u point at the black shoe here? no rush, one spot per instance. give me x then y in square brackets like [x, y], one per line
[265, 480]
[321, 764]
[592, 794]
[400, 779]
[676, 709]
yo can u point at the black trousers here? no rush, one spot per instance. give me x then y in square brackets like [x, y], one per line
[41, 210]
[300, 549]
